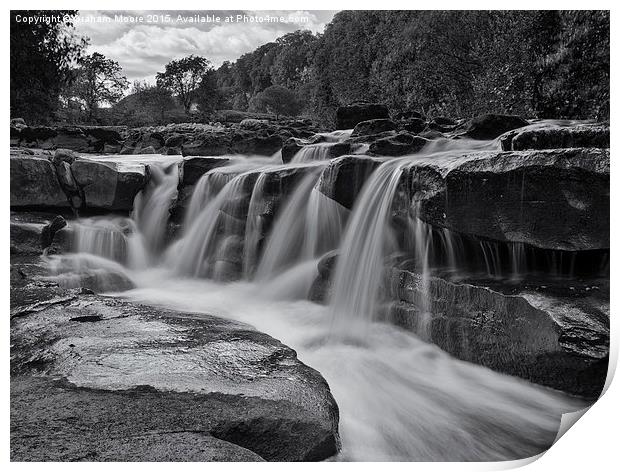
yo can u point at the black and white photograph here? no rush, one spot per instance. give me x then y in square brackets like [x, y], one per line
[306, 235]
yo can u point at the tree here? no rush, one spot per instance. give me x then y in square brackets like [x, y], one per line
[42, 57]
[208, 95]
[182, 77]
[277, 100]
[99, 81]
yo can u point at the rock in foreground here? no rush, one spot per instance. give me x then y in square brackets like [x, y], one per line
[112, 380]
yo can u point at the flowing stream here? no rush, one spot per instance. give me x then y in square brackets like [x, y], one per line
[400, 398]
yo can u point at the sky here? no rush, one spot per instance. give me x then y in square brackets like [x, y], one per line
[143, 42]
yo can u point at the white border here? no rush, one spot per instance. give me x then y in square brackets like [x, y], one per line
[591, 445]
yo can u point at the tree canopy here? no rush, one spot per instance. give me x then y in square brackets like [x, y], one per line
[182, 77]
[277, 100]
[99, 80]
[42, 58]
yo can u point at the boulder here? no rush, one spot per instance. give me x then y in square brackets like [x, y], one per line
[371, 127]
[551, 136]
[109, 185]
[413, 125]
[34, 183]
[192, 168]
[398, 145]
[550, 199]
[50, 229]
[344, 177]
[491, 126]
[84, 366]
[347, 117]
[559, 342]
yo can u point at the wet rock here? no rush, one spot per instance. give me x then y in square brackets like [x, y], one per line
[293, 145]
[192, 168]
[491, 126]
[413, 125]
[347, 117]
[432, 134]
[398, 145]
[542, 136]
[34, 183]
[157, 378]
[370, 127]
[232, 141]
[551, 199]
[344, 177]
[50, 229]
[109, 185]
[558, 342]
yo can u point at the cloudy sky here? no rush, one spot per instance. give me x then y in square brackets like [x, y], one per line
[144, 41]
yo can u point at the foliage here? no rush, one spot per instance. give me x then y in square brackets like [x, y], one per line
[146, 105]
[182, 77]
[277, 100]
[208, 95]
[99, 80]
[42, 56]
[458, 63]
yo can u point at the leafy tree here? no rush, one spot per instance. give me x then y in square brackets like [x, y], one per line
[183, 76]
[208, 94]
[99, 81]
[42, 56]
[154, 100]
[277, 100]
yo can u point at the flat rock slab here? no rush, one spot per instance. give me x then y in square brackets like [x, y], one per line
[108, 371]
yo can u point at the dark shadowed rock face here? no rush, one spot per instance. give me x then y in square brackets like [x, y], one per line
[76, 138]
[192, 168]
[398, 145]
[141, 383]
[349, 116]
[344, 177]
[370, 127]
[491, 126]
[413, 125]
[232, 141]
[561, 342]
[34, 183]
[109, 185]
[554, 199]
[541, 136]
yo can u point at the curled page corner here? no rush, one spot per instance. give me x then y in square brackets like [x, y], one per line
[568, 420]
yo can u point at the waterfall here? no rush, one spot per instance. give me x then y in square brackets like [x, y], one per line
[312, 152]
[151, 206]
[359, 269]
[207, 187]
[254, 226]
[107, 238]
[198, 247]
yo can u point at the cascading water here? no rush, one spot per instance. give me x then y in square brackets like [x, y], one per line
[400, 398]
[151, 206]
[359, 270]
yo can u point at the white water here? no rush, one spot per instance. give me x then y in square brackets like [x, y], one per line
[400, 398]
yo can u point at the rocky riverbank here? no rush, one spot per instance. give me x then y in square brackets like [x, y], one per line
[516, 228]
[96, 378]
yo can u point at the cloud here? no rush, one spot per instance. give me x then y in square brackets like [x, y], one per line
[143, 49]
